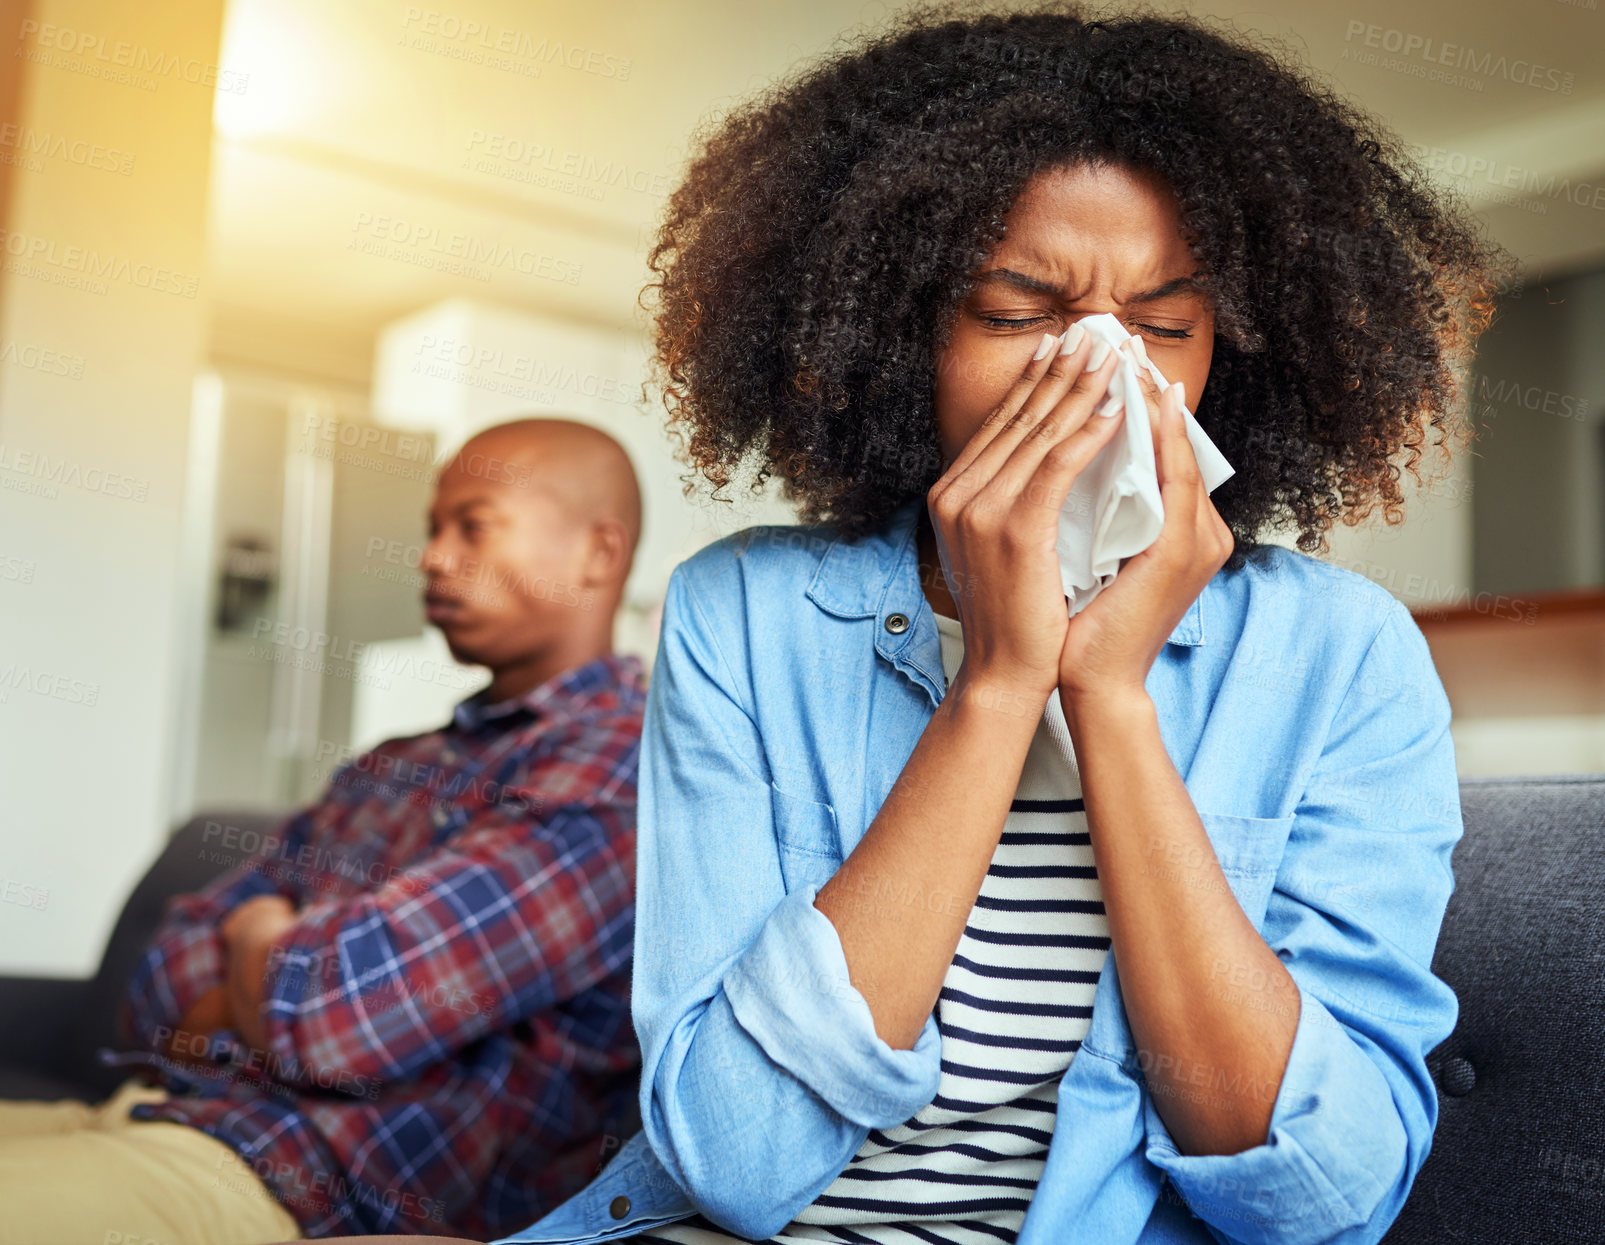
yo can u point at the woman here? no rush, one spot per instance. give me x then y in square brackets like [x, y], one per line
[959, 919]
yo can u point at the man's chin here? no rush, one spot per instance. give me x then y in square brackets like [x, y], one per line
[460, 649]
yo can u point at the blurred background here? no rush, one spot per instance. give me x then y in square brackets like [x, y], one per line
[266, 261]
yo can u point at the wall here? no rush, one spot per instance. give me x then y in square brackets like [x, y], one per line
[101, 335]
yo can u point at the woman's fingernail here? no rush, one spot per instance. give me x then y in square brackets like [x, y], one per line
[1100, 352]
[1181, 395]
[1047, 344]
[1138, 348]
[1111, 409]
[1073, 337]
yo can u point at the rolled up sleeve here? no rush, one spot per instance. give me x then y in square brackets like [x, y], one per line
[762, 1072]
[792, 987]
[1355, 914]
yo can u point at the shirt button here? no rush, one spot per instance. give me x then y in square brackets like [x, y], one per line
[619, 1207]
[1459, 1077]
[897, 623]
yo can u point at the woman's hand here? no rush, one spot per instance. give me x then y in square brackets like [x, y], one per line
[1110, 646]
[995, 513]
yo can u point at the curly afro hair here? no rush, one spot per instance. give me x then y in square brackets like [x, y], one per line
[809, 266]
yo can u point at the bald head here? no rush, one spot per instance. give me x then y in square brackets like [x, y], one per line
[532, 532]
[586, 471]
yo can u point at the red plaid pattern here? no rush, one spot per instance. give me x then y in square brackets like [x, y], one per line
[448, 1020]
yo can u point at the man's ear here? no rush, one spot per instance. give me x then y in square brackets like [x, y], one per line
[608, 551]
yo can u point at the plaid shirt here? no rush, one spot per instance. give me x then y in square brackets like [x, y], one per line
[450, 1047]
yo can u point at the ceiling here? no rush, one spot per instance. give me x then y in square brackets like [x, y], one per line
[383, 157]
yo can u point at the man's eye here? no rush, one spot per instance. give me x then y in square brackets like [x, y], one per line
[1177, 334]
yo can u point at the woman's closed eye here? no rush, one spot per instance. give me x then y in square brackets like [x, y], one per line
[1164, 334]
[1007, 322]
[1024, 322]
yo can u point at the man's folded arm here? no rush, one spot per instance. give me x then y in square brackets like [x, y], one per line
[185, 959]
[507, 918]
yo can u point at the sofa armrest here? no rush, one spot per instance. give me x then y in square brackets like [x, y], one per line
[42, 1014]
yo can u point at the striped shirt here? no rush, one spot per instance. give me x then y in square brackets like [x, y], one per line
[1013, 1008]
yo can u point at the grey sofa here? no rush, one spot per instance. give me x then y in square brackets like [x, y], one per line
[1519, 1152]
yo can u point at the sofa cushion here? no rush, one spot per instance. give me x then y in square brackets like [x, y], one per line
[1518, 1152]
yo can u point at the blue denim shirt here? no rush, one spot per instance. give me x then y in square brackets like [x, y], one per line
[1298, 701]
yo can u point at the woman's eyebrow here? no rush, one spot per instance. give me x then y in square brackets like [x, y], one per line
[1176, 285]
[1035, 285]
[1019, 280]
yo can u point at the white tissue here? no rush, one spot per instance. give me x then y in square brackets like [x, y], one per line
[1114, 509]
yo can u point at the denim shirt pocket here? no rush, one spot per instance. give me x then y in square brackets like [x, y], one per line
[806, 833]
[1249, 850]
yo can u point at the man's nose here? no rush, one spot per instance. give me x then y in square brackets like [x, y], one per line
[435, 559]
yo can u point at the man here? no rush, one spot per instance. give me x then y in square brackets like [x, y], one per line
[410, 1011]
